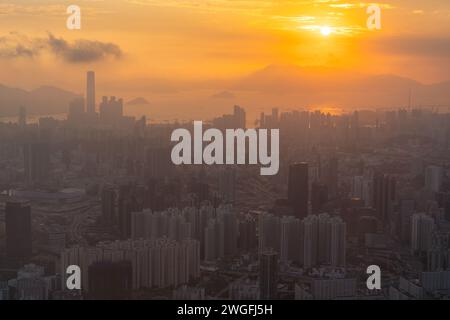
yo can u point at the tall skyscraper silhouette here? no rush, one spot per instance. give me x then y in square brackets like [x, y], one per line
[298, 189]
[36, 161]
[268, 275]
[239, 117]
[384, 196]
[22, 117]
[18, 230]
[90, 92]
[110, 280]
[108, 205]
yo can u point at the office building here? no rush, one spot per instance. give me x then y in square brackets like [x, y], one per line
[108, 205]
[384, 196]
[18, 230]
[90, 93]
[111, 111]
[338, 242]
[110, 280]
[268, 275]
[298, 192]
[22, 120]
[159, 263]
[291, 240]
[422, 227]
[434, 177]
[36, 161]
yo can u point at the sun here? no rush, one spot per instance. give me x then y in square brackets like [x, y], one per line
[325, 31]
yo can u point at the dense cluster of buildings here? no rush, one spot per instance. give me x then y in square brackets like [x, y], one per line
[98, 190]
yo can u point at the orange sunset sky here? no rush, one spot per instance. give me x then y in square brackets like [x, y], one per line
[187, 51]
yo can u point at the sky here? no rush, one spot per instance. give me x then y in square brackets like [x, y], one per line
[162, 49]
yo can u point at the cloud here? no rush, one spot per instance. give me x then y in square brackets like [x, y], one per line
[15, 45]
[83, 50]
[414, 46]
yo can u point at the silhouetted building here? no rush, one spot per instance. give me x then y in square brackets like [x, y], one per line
[384, 196]
[338, 242]
[247, 240]
[110, 280]
[231, 121]
[36, 161]
[108, 204]
[22, 117]
[319, 196]
[90, 93]
[268, 275]
[298, 192]
[18, 230]
[126, 205]
[447, 210]
[227, 185]
[434, 177]
[111, 111]
[331, 175]
[422, 227]
[76, 111]
[158, 162]
[291, 240]
[239, 117]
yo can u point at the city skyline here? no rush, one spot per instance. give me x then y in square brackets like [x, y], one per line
[224, 150]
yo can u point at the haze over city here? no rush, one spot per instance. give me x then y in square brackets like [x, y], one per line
[224, 150]
[192, 58]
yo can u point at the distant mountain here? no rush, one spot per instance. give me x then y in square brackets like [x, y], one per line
[43, 100]
[341, 87]
[138, 101]
[223, 95]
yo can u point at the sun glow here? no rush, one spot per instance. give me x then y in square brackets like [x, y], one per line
[325, 31]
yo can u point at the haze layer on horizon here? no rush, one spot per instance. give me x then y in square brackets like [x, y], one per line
[204, 53]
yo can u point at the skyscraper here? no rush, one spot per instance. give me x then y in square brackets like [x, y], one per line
[76, 111]
[384, 196]
[268, 232]
[108, 204]
[338, 242]
[214, 240]
[227, 184]
[447, 210]
[18, 230]
[291, 240]
[90, 92]
[309, 229]
[111, 111]
[110, 280]
[239, 117]
[422, 227]
[36, 161]
[323, 239]
[298, 191]
[268, 275]
[319, 196]
[158, 263]
[332, 175]
[434, 177]
[230, 229]
[22, 117]
[126, 204]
